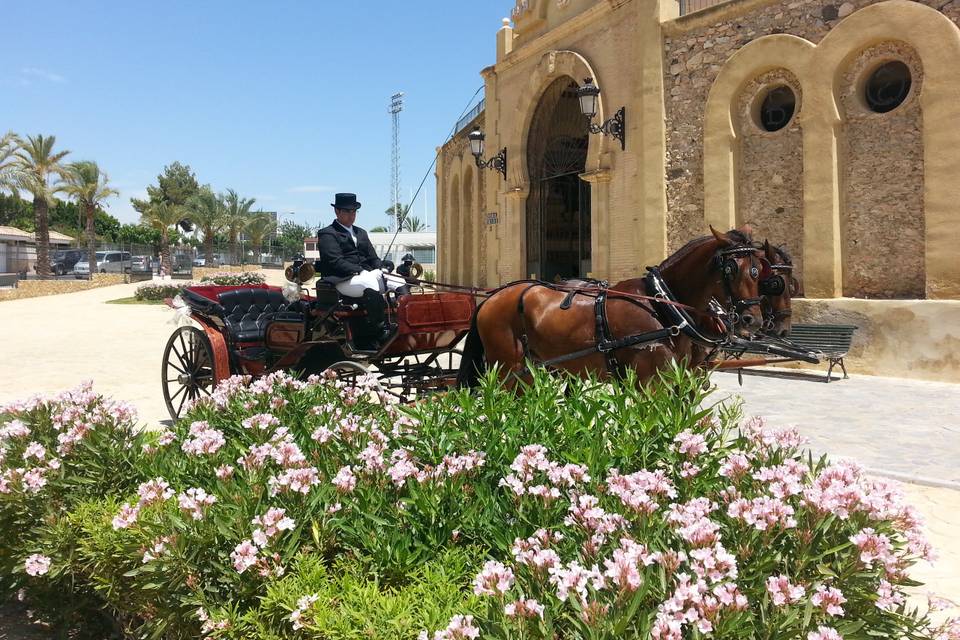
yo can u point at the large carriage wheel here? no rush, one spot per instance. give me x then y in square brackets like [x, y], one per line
[187, 369]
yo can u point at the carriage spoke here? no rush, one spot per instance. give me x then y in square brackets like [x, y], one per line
[182, 401]
[174, 396]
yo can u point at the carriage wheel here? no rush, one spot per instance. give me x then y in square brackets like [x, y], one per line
[348, 372]
[187, 369]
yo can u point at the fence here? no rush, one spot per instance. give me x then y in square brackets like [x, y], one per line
[71, 261]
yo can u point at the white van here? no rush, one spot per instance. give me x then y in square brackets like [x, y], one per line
[107, 262]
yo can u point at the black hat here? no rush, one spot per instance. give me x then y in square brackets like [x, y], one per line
[346, 201]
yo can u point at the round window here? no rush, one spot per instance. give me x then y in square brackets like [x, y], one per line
[887, 87]
[777, 108]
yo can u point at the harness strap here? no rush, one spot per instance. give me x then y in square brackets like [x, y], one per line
[602, 333]
[677, 316]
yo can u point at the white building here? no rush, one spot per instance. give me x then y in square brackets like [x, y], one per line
[423, 246]
[18, 248]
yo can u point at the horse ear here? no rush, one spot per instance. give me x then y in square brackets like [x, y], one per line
[768, 250]
[721, 237]
[747, 230]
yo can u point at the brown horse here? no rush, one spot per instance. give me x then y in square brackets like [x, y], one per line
[640, 324]
[778, 290]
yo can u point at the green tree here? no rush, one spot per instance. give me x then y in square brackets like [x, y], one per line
[8, 147]
[393, 211]
[40, 171]
[379, 229]
[207, 210]
[161, 217]
[290, 236]
[90, 187]
[139, 234]
[16, 212]
[260, 226]
[237, 217]
[414, 224]
[175, 185]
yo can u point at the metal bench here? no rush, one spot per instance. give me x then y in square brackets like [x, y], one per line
[831, 341]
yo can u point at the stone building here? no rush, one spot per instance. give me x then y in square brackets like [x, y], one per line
[830, 126]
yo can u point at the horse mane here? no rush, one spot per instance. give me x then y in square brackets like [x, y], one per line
[738, 236]
[784, 255]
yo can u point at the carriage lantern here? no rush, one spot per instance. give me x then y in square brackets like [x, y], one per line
[497, 162]
[589, 96]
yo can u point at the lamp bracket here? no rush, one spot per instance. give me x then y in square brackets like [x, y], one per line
[497, 162]
[615, 127]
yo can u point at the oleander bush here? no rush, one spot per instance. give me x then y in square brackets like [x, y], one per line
[234, 278]
[160, 290]
[308, 509]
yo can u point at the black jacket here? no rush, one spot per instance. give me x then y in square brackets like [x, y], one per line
[340, 259]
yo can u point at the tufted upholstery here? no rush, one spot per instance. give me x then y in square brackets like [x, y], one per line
[247, 312]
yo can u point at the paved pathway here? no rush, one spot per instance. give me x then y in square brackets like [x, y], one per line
[909, 429]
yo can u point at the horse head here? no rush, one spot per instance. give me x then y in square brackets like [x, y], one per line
[742, 267]
[778, 290]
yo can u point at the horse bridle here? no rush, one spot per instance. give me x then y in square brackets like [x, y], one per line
[729, 268]
[775, 285]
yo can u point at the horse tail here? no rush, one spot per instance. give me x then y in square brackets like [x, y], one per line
[473, 364]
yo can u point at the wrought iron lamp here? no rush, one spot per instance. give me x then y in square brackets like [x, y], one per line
[497, 162]
[588, 95]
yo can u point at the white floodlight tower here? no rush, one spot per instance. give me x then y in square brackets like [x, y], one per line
[396, 106]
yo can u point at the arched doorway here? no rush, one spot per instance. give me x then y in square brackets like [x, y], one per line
[558, 208]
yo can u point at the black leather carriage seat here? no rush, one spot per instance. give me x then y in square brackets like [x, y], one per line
[247, 312]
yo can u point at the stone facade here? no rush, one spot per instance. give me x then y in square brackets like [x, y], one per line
[863, 197]
[38, 288]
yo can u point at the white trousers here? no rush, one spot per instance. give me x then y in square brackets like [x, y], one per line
[376, 280]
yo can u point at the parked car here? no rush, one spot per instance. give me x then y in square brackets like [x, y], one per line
[107, 262]
[199, 262]
[62, 262]
[140, 263]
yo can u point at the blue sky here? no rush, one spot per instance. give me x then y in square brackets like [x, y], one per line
[282, 101]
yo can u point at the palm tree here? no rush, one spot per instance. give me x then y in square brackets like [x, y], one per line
[236, 219]
[86, 184]
[414, 224]
[260, 226]
[8, 146]
[40, 171]
[161, 216]
[208, 211]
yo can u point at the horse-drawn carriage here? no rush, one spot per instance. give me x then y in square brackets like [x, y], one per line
[720, 294]
[256, 330]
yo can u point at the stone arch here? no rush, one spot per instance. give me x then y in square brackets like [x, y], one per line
[882, 213]
[769, 165]
[554, 65]
[455, 228]
[468, 226]
[722, 128]
[936, 41]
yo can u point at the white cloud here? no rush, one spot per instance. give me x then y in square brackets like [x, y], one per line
[43, 74]
[311, 188]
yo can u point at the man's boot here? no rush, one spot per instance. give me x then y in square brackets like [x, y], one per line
[376, 307]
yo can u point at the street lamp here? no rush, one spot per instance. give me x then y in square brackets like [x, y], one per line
[589, 95]
[497, 162]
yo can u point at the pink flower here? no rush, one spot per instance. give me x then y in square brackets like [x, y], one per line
[37, 565]
[261, 422]
[322, 434]
[824, 633]
[763, 513]
[166, 437]
[271, 524]
[887, 597]
[782, 592]
[203, 440]
[157, 549]
[225, 472]
[640, 491]
[345, 481]
[34, 450]
[154, 491]
[690, 444]
[829, 599]
[576, 578]
[524, 608]
[460, 628]
[297, 480]
[196, 502]
[623, 568]
[735, 466]
[244, 556]
[494, 580]
[126, 517]
[14, 429]
[873, 547]
[34, 480]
